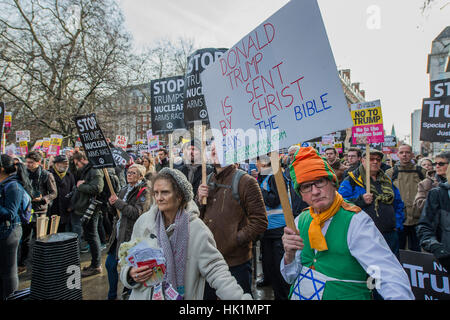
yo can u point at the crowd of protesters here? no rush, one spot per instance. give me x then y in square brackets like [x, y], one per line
[208, 230]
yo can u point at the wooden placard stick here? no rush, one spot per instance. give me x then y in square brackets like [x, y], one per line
[204, 159]
[367, 168]
[282, 192]
[111, 189]
[170, 151]
[54, 224]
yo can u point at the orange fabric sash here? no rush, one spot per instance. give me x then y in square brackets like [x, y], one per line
[316, 238]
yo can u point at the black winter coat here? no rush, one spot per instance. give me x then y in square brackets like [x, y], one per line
[61, 204]
[433, 228]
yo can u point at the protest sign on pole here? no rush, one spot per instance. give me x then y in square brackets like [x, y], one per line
[389, 144]
[277, 86]
[37, 145]
[339, 146]
[166, 96]
[121, 142]
[55, 144]
[94, 142]
[367, 128]
[8, 121]
[23, 147]
[194, 106]
[95, 145]
[429, 280]
[121, 158]
[367, 122]
[23, 135]
[152, 141]
[45, 144]
[435, 118]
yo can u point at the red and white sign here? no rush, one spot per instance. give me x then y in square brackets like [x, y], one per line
[121, 142]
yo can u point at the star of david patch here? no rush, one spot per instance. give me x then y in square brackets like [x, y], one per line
[311, 288]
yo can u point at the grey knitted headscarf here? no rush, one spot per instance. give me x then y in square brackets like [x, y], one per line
[181, 181]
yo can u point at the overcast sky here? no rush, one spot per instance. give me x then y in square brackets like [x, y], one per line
[385, 43]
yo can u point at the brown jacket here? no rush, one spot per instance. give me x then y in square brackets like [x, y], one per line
[407, 183]
[233, 229]
[430, 182]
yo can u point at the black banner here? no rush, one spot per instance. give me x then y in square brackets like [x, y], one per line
[428, 279]
[440, 88]
[435, 123]
[121, 158]
[194, 101]
[94, 142]
[167, 104]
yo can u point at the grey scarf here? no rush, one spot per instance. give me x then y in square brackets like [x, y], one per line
[174, 243]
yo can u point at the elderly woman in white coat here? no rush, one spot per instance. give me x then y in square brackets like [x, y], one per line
[188, 245]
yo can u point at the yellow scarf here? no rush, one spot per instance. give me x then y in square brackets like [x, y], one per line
[61, 175]
[316, 238]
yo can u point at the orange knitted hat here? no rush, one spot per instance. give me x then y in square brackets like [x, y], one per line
[308, 165]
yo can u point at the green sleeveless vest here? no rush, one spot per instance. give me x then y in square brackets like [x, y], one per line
[336, 262]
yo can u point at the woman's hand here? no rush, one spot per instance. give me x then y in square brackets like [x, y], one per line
[140, 275]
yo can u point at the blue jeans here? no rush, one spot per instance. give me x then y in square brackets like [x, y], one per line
[243, 275]
[113, 276]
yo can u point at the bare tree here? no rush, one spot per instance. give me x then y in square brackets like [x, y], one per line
[61, 58]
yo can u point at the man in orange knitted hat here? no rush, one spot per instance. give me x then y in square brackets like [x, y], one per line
[336, 243]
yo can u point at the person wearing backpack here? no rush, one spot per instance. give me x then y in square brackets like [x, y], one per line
[14, 202]
[406, 176]
[234, 224]
[132, 201]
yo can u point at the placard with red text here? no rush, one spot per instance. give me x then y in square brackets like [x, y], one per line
[277, 86]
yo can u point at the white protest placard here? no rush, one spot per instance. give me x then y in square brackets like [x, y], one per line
[121, 142]
[23, 135]
[275, 87]
[152, 141]
[367, 122]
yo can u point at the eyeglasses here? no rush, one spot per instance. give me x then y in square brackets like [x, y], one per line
[441, 164]
[307, 187]
[131, 172]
